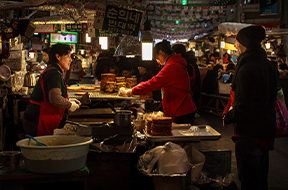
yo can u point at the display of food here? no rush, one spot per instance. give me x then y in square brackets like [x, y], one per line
[131, 82]
[147, 96]
[107, 77]
[120, 79]
[119, 85]
[110, 86]
[82, 87]
[161, 126]
[74, 88]
[149, 126]
[81, 93]
[89, 87]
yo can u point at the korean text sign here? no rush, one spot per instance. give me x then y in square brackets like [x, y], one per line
[124, 21]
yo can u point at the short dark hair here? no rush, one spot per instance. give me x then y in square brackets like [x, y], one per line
[60, 49]
[179, 48]
[164, 46]
[116, 69]
[127, 67]
[46, 50]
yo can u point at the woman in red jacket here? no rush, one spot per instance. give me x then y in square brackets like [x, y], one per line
[174, 82]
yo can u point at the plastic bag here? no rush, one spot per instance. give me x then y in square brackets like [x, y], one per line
[170, 158]
[124, 92]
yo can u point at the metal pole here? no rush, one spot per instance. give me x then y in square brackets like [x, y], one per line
[238, 11]
[285, 22]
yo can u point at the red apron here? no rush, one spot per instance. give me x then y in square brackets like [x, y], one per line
[50, 116]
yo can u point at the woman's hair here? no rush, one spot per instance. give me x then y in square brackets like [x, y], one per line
[164, 46]
[46, 50]
[60, 49]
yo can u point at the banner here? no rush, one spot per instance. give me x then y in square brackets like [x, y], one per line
[268, 7]
[269, 26]
[123, 21]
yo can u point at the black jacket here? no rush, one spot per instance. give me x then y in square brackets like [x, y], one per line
[196, 88]
[255, 86]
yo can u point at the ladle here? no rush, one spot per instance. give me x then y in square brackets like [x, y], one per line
[37, 142]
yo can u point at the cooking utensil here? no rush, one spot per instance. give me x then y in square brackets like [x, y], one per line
[111, 107]
[10, 161]
[122, 118]
[37, 142]
[30, 79]
[85, 99]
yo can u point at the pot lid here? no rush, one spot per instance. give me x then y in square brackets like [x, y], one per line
[5, 73]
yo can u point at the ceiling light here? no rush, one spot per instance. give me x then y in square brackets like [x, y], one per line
[147, 42]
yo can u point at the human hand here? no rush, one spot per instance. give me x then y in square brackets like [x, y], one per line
[125, 92]
[75, 100]
[129, 92]
[74, 106]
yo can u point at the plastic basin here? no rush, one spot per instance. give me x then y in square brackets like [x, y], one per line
[64, 153]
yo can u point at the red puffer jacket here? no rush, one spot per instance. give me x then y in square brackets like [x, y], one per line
[174, 81]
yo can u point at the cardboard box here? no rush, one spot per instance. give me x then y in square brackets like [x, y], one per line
[217, 163]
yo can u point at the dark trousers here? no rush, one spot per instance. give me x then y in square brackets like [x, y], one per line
[252, 165]
[189, 118]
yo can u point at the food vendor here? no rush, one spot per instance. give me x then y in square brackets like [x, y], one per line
[49, 100]
[173, 80]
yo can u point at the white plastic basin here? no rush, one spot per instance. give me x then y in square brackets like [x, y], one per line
[64, 153]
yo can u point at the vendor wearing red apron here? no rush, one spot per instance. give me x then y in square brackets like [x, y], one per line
[49, 100]
[174, 82]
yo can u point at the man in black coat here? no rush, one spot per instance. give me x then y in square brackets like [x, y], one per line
[253, 113]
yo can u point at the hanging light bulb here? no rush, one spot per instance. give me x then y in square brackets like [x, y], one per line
[103, 41]
[147, 42]
[222, 45]
[267, 45]
[228, 51]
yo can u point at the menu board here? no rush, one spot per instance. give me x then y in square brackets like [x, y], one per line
[65, 37]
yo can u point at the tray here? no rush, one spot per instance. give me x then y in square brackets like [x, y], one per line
[102, 95]
[205, 132]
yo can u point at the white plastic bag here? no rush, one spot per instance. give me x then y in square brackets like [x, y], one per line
[171, 158]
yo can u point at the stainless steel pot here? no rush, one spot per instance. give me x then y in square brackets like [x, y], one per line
[29, 79]
[10, 161]
[122, 118]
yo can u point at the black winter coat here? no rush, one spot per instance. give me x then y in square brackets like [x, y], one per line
[255, 86]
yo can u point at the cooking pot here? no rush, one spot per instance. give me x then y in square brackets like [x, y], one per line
[29, 79]
[10, 161]
[123, 118]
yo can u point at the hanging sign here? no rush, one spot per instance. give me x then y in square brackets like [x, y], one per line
[91, 29]
[268, 7]
[74, 27]
[104, 33]
[123, 21]
[99, 16]
[44, 28]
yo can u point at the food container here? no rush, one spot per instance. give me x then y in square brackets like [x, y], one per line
[123, 118]
[139, 125]
[64, 153]
[10, 161]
